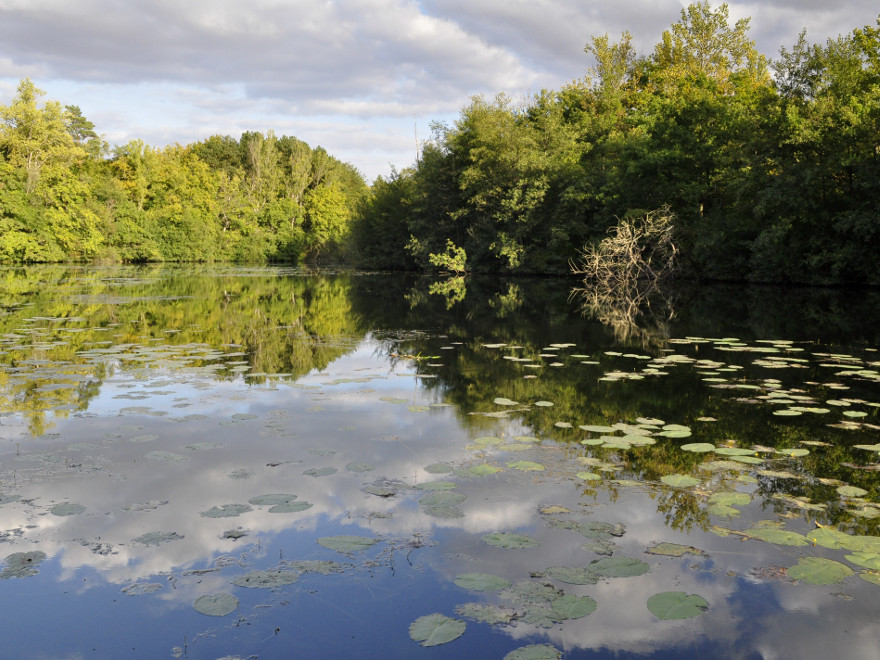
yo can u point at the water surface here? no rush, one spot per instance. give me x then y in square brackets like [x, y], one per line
[488, 454]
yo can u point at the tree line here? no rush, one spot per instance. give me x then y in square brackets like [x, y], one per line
[771, 168]
[65, 196]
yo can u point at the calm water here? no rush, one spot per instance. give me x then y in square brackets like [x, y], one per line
[325, 459]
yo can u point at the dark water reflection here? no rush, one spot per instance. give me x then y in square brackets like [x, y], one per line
[137, 403]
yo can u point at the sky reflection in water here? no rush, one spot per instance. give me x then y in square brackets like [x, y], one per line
[161, 423]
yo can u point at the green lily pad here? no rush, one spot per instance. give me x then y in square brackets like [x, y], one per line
[155, 538]
[614, 567]
[265, 579]
[216, 604]
[818, 570]
[436, 485]
[436, 629]
[481, 582]
[511, 540]
[597, 428]
[851, 491]
[666, 549]
[866, 559]
[573, 607]
[480, 470]
[870, 576]
[22, 564]
[291, 507]
[698, 447]
[226, 511]
[442, 498]
[679, 480]
[828, 537]
[272, 499]
[526, 466]
[777, 536]
[572, 574]
[438, 468]
[320, 472]
[543, 404]
[671, 605]
[360, 467]
[490, 614]
[535, 652]
[67, 509]
[501, 401]
[794, 453]
[347, 543]
[588, 476]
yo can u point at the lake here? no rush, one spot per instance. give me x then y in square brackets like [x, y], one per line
[222, 462]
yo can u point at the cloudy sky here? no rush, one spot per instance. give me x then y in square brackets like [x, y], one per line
[362, 78]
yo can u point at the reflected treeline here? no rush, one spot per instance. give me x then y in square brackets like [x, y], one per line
[63, 331]
[58, 324]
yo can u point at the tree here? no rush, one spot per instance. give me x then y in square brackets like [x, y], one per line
[32, 137]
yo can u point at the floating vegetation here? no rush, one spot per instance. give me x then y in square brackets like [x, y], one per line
[226, 511]
[491, 614]
[67, 509]
[216, 604]
[157, 538]
[347, 544]
[22, 564]
[818, 570]
[436, 629]
[481, 582]
[510, 540]
[671, 605]
[666, 549]
[535, 652]
[266, 579]
[320, 472]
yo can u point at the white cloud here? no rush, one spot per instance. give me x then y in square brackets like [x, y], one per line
[363, 63]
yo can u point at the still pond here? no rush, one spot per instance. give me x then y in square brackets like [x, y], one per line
[219, 462]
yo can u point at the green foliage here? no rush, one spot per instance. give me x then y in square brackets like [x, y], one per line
[453, 259]
[770, 178]
[257, 199]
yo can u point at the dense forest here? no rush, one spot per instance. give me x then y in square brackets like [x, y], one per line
[769, 169]
[64, 196]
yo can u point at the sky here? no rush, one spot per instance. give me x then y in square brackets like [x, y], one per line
[362, 78]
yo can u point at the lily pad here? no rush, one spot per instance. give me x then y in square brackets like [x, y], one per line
[22, 564]
[851, 491]
[698, 447]
[481, 582]
[535, 652]
[777, 536]
[502, 401]
[265, 579]
[216, 604]
[666, 549]
[436, 629]
[670, 605]
[679, 480]
[526, 466]
[614, 567]
[867, 559]
[346, 543]
[226, 511]
[480, 470]
[588, 476]
[490, 614]
[67, 509]
[818, 570]
[320, 472]
[511, 540]
[436, 485]
[573, 607]
[155, 538]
